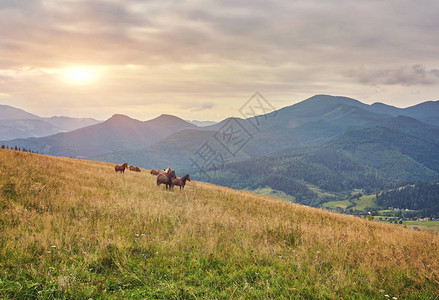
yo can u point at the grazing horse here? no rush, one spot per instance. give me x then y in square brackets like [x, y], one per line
[166, 179]
[181, 182]
[121, 168]
[134, 168]
[155, 172]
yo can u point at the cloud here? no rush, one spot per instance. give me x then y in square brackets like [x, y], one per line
[198, 107]
[408, 76]
[219, 49]
[235, 31]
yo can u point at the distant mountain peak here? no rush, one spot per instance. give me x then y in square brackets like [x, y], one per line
[330, 98]
[382, 104]
[119, 117]
[170, 121]
[8, 112]
[167, 116]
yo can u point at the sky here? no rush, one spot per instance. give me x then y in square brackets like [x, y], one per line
[204, 59]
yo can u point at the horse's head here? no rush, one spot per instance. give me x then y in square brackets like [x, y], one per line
[171, 174]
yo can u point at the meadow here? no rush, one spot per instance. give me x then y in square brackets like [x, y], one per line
[75, 229]
[425, 225]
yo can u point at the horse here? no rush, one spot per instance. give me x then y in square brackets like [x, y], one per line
[166, 179]
[134, 168]
[181, 182]
[121, 168]
[155, 172]
[165, 171]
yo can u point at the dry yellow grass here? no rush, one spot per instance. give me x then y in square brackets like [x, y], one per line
[74, 228]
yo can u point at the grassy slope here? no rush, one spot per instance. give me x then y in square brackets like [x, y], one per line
[364, 201]
[425, 225]
[334, 204]
[75, 229]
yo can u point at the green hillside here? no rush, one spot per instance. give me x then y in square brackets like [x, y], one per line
[75, 229]
[370, 159]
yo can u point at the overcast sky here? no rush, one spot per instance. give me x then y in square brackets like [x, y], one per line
[204, 59]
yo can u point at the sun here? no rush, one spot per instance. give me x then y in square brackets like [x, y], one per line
[79, 75]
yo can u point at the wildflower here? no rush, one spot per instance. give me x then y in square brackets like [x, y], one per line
[386, 295]
[53, 246]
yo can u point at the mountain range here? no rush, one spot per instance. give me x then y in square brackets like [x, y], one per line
[17, 123]
[312, 150]
[118, 133]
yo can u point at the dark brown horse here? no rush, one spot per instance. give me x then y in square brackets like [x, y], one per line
[181, 182]
[134, 168]
[166, 179]
[121, 168]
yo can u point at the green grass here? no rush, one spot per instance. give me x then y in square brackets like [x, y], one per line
[425, 225]
[360, 204]
[363, 202]
[269, 192]
[74, 229]
[334, 204]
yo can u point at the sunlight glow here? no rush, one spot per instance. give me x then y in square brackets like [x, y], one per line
[79, 75]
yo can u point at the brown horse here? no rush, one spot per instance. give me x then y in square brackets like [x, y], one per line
[121, 168]
[134, 168]
[155, 172]
[181, 182]
[166, 179]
